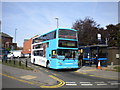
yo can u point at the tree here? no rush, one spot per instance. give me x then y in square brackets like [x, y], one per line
[113, 34]
[87, 31]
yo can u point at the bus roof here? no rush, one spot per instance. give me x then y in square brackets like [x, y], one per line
[56, 29]
[99, 45]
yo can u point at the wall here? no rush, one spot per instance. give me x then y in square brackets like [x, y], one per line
[27, 47]
[112, 51]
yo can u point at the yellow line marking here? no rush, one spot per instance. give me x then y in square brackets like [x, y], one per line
[83, 73]
[91, 75]
[54, 74]
[106, 77]
[76, 71]
[80, 72]
[102, 77]
[17, 79]
[90, 70]
[55, 86]
[97, 76]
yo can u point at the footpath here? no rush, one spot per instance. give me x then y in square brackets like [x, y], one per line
[46, 81]
[31, 77]
[104, 72]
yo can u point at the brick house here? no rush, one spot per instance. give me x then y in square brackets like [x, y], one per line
[27, 45]
[7, 41]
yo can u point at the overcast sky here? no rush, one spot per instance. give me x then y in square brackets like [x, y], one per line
[32, 18]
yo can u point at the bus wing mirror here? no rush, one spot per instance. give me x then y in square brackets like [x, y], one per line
[49, 55]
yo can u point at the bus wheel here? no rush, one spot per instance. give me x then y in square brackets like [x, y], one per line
[48, 65]
[34, 61]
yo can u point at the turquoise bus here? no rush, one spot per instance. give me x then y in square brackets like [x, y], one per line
[57, 49]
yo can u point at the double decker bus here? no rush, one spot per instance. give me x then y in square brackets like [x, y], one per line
[56, 49]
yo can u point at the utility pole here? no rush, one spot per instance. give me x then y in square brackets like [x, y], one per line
[0, 26]
[57, 21]
[15, 35]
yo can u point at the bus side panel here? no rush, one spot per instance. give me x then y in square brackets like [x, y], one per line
[52, 46]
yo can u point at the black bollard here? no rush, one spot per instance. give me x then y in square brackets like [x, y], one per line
[19, 62]
[14, 61]
[6, 61]
[10, 61]
[26, 63]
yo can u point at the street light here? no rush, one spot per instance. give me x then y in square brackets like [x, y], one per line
[15, 35]
[57, 21]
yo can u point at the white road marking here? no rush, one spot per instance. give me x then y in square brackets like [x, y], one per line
[99, 82]
[72, 84]
[115, 83]
[86, 84]
[102, 84]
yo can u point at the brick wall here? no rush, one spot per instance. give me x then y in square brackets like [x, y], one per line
[27, 46]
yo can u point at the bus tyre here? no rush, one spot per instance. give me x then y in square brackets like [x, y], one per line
[34, 61]
[48, 65]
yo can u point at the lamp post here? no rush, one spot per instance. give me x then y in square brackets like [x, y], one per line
[57, 21]
[0, 26]
[15, 35]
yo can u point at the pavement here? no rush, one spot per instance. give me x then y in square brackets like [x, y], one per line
[31, 77]
[43, 80]
[103, 72]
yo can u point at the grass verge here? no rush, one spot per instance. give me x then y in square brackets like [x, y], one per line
[117, 68]
[16, 64]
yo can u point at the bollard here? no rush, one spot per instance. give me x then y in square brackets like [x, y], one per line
[19, 62]
[81, 63]
[10, 61]
[26, 63]
[14, 61]
[6, 61]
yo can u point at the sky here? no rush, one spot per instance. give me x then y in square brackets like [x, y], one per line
[33, 18]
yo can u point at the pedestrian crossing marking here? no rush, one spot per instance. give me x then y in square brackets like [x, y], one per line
[72, 84]
[99, 82]
[102, 84]
[115, 83]
[87, 84]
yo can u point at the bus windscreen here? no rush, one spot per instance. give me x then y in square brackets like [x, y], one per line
[67, 53]
[67, 43]
[69, 34]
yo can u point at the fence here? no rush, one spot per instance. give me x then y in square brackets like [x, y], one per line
[16, 61]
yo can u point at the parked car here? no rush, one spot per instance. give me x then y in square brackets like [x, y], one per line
[27, 55]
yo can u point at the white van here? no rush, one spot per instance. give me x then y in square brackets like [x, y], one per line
[15, 53]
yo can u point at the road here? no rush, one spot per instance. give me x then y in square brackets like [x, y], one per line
[73, 79]
[12, 83]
